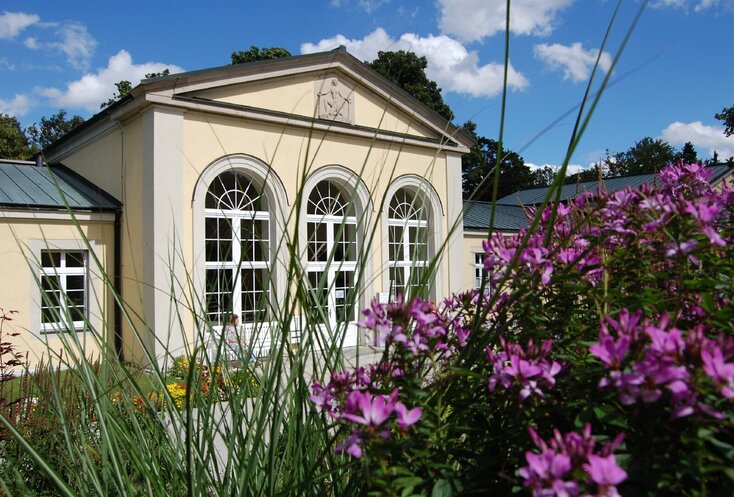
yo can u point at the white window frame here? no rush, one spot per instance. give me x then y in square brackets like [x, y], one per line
[436, 218]
[406, 265]
[334, 224]
[479, 271]
[62, 272]
[236, 264]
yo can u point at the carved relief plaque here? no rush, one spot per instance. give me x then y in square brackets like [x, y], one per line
[334, 100]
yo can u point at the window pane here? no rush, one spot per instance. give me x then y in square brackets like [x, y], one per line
[397, 281]
[74, 282]
[75, 298]
[255, 293]
[50, 259]
[218, 239]
[346, 242]
[219, 287]
[395, 243]
[75, 259]
[343, 285]
[319, 295]
[49, 283]
[317, 242]
[254, 239]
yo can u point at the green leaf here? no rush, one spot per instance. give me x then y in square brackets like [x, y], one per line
[442, 488]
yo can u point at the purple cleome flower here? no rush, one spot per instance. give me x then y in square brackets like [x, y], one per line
[570, 463]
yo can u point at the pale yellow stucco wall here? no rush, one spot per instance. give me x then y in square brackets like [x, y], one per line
[101, 162]
[294, 155]
[297, 95]
[22, 237]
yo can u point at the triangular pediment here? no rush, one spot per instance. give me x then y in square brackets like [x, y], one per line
[330, 88]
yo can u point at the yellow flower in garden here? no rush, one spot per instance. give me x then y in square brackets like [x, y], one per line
[177, 391]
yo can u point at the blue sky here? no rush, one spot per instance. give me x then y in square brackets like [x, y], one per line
[675, 74]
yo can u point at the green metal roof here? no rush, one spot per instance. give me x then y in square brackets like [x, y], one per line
[506, 217]
[25, 185]
[510, 210]
[535, 196]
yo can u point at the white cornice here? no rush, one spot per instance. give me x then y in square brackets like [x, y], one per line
[40, 215]
[298, 121]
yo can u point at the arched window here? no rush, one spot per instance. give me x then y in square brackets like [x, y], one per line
[237, 247]
[407, 226]
[331, 224]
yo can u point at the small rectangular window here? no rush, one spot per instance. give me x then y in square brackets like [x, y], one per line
[479, 271]
[64, 299]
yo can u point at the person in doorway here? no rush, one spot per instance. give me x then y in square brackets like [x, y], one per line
[236, 340]
[232, 334]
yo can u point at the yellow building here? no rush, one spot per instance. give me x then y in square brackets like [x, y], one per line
[57, 257]
[215, 172]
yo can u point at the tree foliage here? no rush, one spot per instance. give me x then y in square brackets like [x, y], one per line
[51, 129]
[726, 116]
[543, 176]
[255, 54]
[478, 169]
[13, 142]
[124, 87]
[687, 154]
[408, 71]
[646, 156]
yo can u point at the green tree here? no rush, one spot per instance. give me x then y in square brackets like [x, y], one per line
[13, 142]
[124, 87]
[646, 156]
[255, 53]
[726, 116]
[51, 129]
[543, 176]
[408, 71]
[591, 174]
[478, 169]
[687, 154]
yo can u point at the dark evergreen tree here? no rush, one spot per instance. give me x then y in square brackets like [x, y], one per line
[646, 156]
[408, 71]
[478, 169]
[726, 116]
[13, 142]
[687, 154]
[255, 53]
[543, 176]
[51, 129]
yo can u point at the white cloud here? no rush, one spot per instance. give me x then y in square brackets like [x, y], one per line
[72, 39]
[92, 90]
[370, 6]
[575, 61]
[12, 23]
[6, 64]
[76, 43]
[450, 64]
[702, 136]
[17, 106]
[472, 20]
[32, 43]
[698, 6]
[571, 169]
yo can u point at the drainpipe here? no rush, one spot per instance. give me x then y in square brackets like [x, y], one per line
[117, 283]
